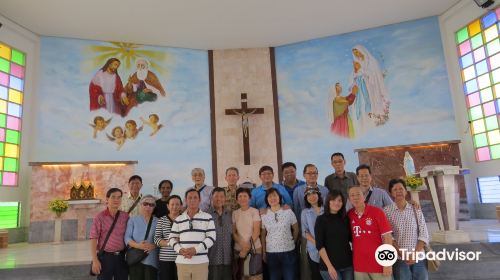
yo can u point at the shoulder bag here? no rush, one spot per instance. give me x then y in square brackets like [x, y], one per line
[134, 255]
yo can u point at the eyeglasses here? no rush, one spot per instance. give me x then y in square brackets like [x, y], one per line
[190, 224]
[219, 220]
[276, 217]
[312, 173]
[145, 204]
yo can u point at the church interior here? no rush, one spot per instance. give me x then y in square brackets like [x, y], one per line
[93, 92]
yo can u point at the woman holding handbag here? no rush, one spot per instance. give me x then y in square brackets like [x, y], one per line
[142, 253]
[246, 233]
[409, 231]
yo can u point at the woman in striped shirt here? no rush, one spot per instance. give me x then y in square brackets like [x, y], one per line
[168, 270]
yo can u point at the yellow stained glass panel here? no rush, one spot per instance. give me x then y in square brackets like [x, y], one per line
[11, 150]
[4, 51]
[474, 28]
[15, 96]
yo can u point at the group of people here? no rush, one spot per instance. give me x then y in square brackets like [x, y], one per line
[274, 231]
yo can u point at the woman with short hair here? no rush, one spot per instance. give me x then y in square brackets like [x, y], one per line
[409, 231]
[280, 231]
[137, 226]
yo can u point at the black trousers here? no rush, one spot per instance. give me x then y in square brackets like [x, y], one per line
[314, 268]
[168, 270]
[113, 267]
[141, 271]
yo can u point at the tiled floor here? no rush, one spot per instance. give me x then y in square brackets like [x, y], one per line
[77, 252]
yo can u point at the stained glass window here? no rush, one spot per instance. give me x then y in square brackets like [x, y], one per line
[12, 70]
[478, 47]
[9, 214]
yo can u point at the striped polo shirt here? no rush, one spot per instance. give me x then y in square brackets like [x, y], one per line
[198, 232]
[100, 227]
[163, 228]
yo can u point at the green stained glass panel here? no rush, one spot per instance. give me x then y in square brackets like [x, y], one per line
[9, 214]
[2, 150]
[475, 113]
[12, 136]
[3, 120]
[10, 164]
[480, 140]
[491, 123]
[495, 152]
[462, 35]
[18, 57]
[4, 65]
[477, 41]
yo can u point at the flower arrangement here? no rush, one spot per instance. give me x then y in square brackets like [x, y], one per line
[58, 206]
[414, 182]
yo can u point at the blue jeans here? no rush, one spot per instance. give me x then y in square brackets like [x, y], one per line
[417, 271]
[281, 265]
[342, 274]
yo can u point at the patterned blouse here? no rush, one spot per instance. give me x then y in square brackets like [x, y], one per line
[404, 225]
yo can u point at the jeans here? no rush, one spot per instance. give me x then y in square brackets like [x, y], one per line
[281, 265]
[342, 274]
[417, 271]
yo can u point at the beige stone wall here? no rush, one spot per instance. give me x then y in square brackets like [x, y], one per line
[248, 71]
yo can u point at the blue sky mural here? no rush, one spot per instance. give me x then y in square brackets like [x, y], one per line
[64, 131]
[411, 60]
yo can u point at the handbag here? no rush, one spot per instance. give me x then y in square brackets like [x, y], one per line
[253, 262]
[100, 254]
[134, 255]
[432, 265]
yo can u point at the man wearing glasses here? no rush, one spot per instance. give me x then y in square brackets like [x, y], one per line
[340, 179]
[192, 234]
[311, 175]
[258, 199]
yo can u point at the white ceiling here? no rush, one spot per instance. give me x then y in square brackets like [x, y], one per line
[212, 24]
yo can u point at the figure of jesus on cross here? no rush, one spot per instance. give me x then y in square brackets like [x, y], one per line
[244, 112]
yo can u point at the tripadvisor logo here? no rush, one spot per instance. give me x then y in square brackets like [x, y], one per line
[386, 255]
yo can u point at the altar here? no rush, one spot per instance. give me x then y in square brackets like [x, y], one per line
[83, 185]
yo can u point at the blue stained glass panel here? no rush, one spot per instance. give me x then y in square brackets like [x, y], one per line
[3, 93]
[16, 83]
[466, 60]
[471, 86]
[489, 19]
[481, 67]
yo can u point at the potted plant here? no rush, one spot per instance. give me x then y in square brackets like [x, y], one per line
[414, 183]
[58, 206]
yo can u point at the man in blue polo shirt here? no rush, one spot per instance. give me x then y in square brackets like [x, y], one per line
[266, 175]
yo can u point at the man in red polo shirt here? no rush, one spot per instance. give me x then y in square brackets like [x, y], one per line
[370, 229]
[111, 264]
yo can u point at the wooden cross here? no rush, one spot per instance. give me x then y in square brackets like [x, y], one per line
[244, 112]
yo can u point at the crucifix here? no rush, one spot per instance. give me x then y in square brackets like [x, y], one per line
[244, 112]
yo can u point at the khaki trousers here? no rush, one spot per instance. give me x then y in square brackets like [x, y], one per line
[370, 276]
[192, 271]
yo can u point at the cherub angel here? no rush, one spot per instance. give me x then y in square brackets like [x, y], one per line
[99, 124]
[118, 136]
[131, 129]
[153, 123]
